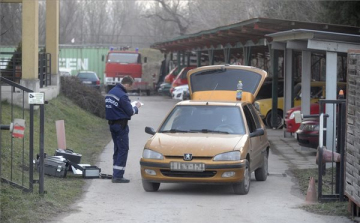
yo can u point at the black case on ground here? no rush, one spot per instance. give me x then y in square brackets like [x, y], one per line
[55, 166]
[69, 155]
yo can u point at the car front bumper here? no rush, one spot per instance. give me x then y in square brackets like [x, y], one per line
[307, 140]
[214, 172]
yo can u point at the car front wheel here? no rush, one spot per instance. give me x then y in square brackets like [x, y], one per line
[243, 187]
[262, 172]
[150, 187]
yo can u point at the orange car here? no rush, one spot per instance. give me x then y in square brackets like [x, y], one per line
[213, 138]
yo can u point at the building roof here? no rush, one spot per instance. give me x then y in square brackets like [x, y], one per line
[252, 32]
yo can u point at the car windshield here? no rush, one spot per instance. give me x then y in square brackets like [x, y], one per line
[210, 80]
[204, 119]
[123, 58]
[88, 76]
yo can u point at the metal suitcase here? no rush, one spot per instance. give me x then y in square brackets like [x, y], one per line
[55, 166]
[69, 155]
[91, 172]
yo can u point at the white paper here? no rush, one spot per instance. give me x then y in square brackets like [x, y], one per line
[134, 103]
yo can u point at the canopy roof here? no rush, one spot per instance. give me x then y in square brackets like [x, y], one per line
[252, 32]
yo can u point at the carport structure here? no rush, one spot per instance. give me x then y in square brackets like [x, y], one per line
[310, 41]
[250, 42]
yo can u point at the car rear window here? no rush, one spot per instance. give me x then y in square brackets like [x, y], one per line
[205, 119]
[89, 76]
[210, 80]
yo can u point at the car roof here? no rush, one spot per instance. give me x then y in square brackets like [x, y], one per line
[211, 103]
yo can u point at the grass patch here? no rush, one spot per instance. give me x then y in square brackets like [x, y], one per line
[86, 134]
[326, 208]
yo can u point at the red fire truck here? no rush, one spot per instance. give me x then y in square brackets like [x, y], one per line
[122, 63]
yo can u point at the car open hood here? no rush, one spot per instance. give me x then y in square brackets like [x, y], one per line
[218, 82]
[198, 144]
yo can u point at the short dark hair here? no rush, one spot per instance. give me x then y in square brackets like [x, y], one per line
[127, 80]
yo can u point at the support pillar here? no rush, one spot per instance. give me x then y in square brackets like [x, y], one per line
[305, 82]
[52, 36]
[198, 58]
[211, 57]
[30, 45]
[288, 84]
[274, 66]
[331, 93]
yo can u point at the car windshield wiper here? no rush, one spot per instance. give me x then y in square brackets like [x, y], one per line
[208, 131]
[174, 131]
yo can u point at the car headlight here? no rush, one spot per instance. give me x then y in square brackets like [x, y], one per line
[149, 154]
[257, 106]
[310, 127]
[229, 156]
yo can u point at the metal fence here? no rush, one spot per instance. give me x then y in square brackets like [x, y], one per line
[11, 67]
[44, 69]
[337, 170]
[17, 154]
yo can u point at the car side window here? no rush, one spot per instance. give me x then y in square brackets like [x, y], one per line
[183, 74]
[255, 116]
[249, 119]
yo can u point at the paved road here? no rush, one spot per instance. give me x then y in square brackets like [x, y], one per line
[273, 201]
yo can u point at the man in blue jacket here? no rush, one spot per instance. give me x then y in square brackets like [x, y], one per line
[118, 111]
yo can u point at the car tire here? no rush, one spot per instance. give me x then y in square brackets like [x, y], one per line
[147, 92]
[280, 120]
[262, 172]
[150, 187]
[243, 187]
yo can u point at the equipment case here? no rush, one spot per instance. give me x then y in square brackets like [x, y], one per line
[69, 155]
[91, 172]
[55, 166]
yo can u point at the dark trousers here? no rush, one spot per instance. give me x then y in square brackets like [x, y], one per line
[120, 138]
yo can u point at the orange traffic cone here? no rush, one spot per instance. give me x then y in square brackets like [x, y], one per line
[311, 196]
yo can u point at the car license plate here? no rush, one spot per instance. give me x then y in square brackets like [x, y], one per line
[180, 166]
[86, 82]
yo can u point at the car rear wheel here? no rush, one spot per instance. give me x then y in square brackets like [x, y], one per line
[262, 172]
[279, 120]
[243, 187]
[150, 187]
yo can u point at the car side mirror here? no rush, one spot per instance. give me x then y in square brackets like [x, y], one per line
[257, 132]
[150, 130]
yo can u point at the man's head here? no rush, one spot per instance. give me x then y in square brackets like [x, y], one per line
[127, 82]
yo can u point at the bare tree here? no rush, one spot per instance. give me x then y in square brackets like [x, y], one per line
[10, 24]
[208, 15]
[69, 21]
[172, 11]
[96, 19]
[121, 16]
[305, 10]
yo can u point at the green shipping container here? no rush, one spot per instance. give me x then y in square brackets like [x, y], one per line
[75, 59]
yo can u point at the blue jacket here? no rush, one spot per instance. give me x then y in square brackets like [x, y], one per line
[118, 104]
